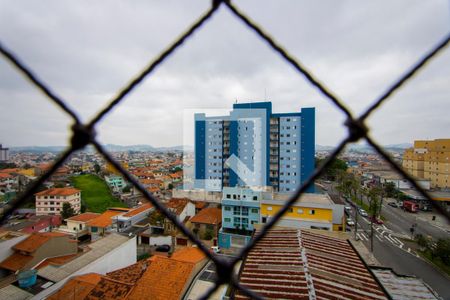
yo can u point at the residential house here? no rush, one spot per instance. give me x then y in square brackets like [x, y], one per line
[103, 256]
[183, 209]
[124, 222]
[155, 278]
[77, 225]
[115, 182]
[207, 221]
[37, 247]
[30, 223]
[50, 202]
[99, 226]
[314, 211]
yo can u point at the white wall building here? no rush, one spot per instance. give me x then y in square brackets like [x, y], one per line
[50, 202]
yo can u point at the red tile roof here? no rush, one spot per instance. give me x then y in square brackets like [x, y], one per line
[59, 192]
[278, 265]
[16, 262]
[77, 288]
[177, 204]
[109, 289]
[164, 279]
[104, 220]
[84, 217]
[189, 254]
[138, 210]
[209, 215]
[130, 274]
[36, 240]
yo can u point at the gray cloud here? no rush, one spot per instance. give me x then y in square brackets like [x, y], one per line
[87, 51]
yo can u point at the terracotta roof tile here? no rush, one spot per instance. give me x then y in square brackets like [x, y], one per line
[189, 254]
[209, 215]
[36, 240]
[84, 217]
[138, 210]
[177, 204]
[77, 288]
[59, 192]
[130, 274]
[109, 289]
[16, 262]
[165, 279]
[104, 220]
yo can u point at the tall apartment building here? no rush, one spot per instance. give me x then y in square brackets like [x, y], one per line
[429, 160]
[253, 146]
[4, 153]
[50, 202]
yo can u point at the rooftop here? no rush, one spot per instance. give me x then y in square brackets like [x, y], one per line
[104, 220]
[189, 254]
[209, 215]
[291, 263]
[321, 199]
[36, 240]
[84, 217]
[77, 288]
[175, 275]
[98, 249]
[138, 210]
[58, 192]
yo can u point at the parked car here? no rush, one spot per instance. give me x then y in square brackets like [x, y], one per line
[163, 248]
[410, 206]
[363, 213]
[350, 222]
[215, 249]
[393, 204]
[376, 220]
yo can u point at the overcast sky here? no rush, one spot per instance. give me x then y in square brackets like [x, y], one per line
[87, 50]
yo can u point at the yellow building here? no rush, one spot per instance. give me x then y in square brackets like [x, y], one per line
[314, 211]
[28, 172]
[112, 170]
[429, 160]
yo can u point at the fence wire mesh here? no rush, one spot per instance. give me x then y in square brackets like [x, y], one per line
[84, 134]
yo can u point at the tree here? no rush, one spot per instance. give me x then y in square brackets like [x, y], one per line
[67, 210]
[331, 172]
[170, 186]
[442, 250]
[374, 195]
[126, 189]
[97, 168]
[208, 235]
[390, 190]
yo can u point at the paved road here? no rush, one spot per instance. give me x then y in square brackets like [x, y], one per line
[392, 252]
[401, 221]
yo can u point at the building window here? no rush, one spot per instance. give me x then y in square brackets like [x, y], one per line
[227, 219]
[254, 210]
[228, 196]
[300, 211]
[269, 208]
[245, 211]
[236, 210]
[290, 210]
[227, 208]
[255, 198]
[312, 212]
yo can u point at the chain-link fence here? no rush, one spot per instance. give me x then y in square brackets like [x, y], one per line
[83, 134]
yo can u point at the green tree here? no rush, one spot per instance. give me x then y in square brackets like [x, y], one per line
[208, 235]
[390, 190]
[374, 195]
[97, 168]
[331, 172]
[170, 186]
[442, 250]
[67, 210]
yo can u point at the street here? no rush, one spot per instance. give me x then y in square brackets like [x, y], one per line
[392, 252]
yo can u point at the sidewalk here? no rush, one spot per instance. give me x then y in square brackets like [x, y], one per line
[368, 257]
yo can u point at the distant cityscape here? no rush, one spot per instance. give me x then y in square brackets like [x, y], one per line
[361, 231]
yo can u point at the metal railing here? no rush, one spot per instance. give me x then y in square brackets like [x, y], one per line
[83, 134]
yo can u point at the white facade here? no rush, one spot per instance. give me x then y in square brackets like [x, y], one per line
[52, 205]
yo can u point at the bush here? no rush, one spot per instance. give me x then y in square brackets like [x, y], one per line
[208, 235]
[422, 241]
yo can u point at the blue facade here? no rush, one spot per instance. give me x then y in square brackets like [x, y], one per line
[240, 208]
[267, 149]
